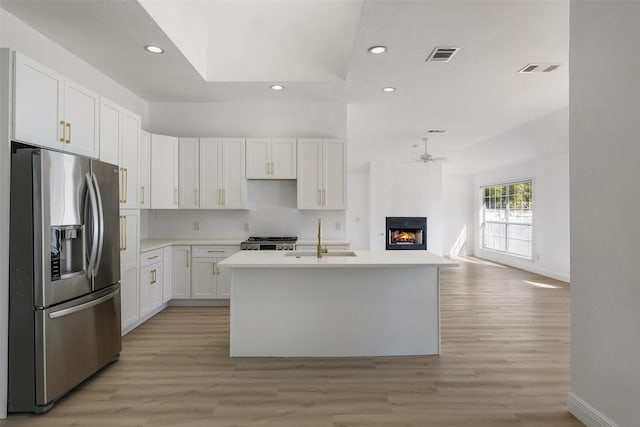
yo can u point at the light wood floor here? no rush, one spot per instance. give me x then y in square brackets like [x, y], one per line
[504, 362]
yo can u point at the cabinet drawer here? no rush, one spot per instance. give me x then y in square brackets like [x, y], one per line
[151, 257]
[214, 251]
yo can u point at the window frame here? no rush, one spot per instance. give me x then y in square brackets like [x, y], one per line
[482, 221]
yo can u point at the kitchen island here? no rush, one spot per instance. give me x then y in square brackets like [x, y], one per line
[362, 303]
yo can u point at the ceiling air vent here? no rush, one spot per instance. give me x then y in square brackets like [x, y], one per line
[539, 68]
[442, 54]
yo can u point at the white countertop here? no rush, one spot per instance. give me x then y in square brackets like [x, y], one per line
[152, 244]
[328, 242]
[279, 259]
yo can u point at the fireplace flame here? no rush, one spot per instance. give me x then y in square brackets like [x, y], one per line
[403, 236]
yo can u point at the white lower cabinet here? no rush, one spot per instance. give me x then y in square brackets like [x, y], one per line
[167, 266]
[204, 278]
[129, 308]
[181, 272]
[200, 276]
[151, 278]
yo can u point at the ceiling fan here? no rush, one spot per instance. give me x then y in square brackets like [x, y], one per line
[426, 157]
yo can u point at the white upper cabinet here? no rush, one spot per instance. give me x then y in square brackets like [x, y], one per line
[189, 177]
[164, 172]
[109, 132]
[54, 112]
[129, 163]
[234, 184]
[222, 173]
[81, 118]
[144, 172]
[321, 174]
[271, 158]
[119, 145]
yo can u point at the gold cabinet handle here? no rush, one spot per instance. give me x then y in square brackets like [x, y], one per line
[123, 233]
[142, 194]
[187, 257]
[120, 233]
[153, 276]
[68, 125]
[121, 185]
[152, 257]
[124, 236]
[63, 131]
[215, 252]
[217, 269]
[126, 184]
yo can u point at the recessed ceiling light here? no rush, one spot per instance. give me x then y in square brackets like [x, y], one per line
[377, 50]
[154, 49]
[277, 87]
[389, 89]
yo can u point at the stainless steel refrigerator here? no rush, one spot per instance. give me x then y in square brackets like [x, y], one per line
[64, 290]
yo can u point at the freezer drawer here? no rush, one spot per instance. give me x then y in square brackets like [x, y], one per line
[74, 340]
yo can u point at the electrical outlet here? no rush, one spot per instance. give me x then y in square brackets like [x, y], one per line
[196, 226]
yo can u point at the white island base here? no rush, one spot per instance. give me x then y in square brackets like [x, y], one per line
[334, 310]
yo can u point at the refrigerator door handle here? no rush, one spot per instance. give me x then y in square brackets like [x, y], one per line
[95, 224]
[77, 308]
[100, 224]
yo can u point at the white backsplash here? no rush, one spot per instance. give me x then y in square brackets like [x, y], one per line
[272, 212]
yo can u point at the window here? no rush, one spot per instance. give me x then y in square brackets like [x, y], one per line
[507, 218]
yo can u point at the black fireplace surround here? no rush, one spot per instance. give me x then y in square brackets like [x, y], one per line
[406, 233]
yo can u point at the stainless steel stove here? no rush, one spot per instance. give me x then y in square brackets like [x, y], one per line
[269, 244]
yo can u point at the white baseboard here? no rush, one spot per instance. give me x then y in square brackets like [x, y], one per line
[587, 413]
[522, 265]
[147, 316]
[199, 303]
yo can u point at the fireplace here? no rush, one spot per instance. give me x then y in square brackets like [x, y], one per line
[406, 233]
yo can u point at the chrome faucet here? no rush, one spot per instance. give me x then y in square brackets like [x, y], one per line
[320, 250]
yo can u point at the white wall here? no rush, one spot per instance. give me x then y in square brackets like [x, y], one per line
[272, 211]
[458, 204]
[272, 208]
[537, 150]
[251, 120]
[5, 177]
[384, 182]
[605, 206]
[16, 35]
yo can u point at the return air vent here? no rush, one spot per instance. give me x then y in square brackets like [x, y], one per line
[539, 68]
[442, 54]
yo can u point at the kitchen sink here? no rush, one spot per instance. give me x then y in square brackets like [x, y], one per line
[300, 254]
